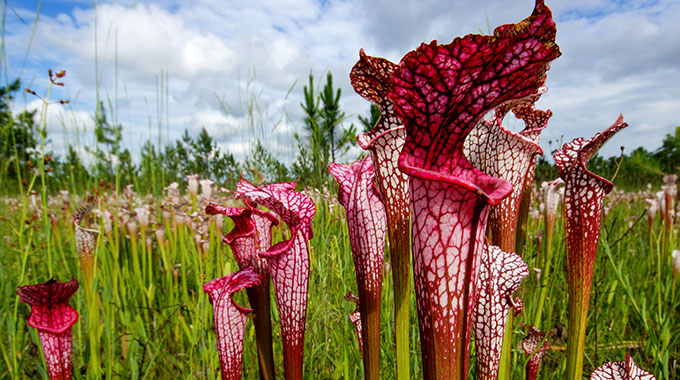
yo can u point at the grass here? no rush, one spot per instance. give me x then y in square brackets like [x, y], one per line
[147, 317]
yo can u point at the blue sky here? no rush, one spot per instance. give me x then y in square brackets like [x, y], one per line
[166, 66]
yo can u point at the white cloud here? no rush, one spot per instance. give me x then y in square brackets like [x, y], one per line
[617, 58]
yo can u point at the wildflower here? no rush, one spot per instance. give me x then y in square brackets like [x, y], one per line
[86, 240]
[530, 345]
[500, 275]
[288, 263]
[252, 235]
[53, 317]
[676, 261]
[192, 184]
[143, 217]
[206, 188]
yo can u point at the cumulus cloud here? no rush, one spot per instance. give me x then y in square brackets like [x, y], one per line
[165, 66]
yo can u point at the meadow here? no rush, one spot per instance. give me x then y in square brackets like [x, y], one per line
[147, 317]
[143, 311]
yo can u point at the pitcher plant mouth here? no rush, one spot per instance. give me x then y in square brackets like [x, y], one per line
[230, 319]
[441, 92]
[583, 200]
[53, 317]
[288, 263]
[534, 344]
[624, 370]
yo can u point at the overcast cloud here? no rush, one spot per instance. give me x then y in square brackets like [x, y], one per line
[166, 66]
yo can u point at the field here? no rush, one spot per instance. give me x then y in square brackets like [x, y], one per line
[140, 224]
[146, 316]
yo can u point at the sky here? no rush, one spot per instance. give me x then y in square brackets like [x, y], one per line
[238, 68]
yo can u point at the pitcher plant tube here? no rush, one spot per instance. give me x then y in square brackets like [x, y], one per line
[53, 317]
[86, 240]
[251, 235]
[288, 263]
[440, 92]
[371, 78]
[230, 319]
[500, 275]
[366, 222]
[583, 198]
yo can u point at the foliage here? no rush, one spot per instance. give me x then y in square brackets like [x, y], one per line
[320, 143]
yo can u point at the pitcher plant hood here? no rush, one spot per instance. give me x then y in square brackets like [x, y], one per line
[53, 317]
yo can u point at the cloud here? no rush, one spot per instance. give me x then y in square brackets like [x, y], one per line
[239, 70]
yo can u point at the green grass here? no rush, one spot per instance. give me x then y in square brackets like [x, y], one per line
[149, 318]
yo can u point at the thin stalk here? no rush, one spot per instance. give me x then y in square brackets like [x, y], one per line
[544, 263]
[258, 296]
[576, 333]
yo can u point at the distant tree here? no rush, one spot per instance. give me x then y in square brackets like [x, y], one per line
[372, 119]
[204, 158]
[313, 149]
[669, 153]
[262, 167]
[324, 137]
[19, 137]
[107, 145]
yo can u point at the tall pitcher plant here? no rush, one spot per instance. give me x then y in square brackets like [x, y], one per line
[440, 92]
[583, 200]
[371, 78]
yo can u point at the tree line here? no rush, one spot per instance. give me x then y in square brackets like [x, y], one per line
[323, 138]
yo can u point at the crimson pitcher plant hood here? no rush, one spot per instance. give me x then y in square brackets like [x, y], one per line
[53, 317]
[366, 221]
[500, 275]
[251, 235]
[230, 319]
[583, 198]
[625, 370]
[440, 92]
[288, 263]
[371, 78]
